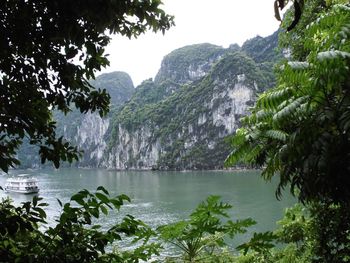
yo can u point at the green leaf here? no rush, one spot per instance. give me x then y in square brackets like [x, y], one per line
[102, 197]
[79, 198]
[41, 212]
[101, 188]
[289, 110]
[332, 54]
[104, 209]
[94, 212]
[259, 242]
[277, 135]
[298, 65]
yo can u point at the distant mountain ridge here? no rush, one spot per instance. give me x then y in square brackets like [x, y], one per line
[182, 118]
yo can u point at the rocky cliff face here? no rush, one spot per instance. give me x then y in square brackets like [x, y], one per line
[87, 131]
[90, 138]
[182, 119]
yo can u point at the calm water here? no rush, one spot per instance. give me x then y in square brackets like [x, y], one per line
[162, 197]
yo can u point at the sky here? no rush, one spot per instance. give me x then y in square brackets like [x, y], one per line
[219, 22]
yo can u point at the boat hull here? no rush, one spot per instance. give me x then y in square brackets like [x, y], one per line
[22, 191]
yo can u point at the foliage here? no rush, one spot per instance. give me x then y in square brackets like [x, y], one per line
[280, 134]
[296, 239]
[294, 40]
[27, 237]
[48, 52]
[294, 226]
[306, 237]
[330, 232]
[260, 243]
[203, 235]
[316, 233]
[300, 131]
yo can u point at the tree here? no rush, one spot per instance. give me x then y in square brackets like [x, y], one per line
[48, 52]
[301, 128]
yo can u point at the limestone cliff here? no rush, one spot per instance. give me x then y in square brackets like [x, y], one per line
[182, 118]
[87, 131]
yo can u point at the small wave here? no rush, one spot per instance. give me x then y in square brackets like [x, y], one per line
[147, 204]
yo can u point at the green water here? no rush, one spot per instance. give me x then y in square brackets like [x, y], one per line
[162, 197]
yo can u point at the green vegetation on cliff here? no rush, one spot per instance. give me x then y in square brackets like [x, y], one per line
[263, 49]
[196, 100]
[177, 65]
[118, 84]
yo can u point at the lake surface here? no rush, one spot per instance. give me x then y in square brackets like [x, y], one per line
[162, 197]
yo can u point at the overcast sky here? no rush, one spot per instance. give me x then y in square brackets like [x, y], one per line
[219, 22]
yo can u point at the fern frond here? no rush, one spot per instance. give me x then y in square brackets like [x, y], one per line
[237, 155]
[253, 153]
[298, 65]
[332, 54]
[277, 135]
[344, 33]
[289, 110]
[239, 138]
[345, 120]
[272, 166]
[270, 100]
[329, 18]
[303, 110]
[341, 8]
[263, 115]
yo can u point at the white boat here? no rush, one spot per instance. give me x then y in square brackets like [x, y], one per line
[22, 183]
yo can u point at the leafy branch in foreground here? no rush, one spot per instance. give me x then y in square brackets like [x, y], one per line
[203, 235]
[75, 237]
[300, 130]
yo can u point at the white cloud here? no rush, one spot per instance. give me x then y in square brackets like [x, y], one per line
[220, 22]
